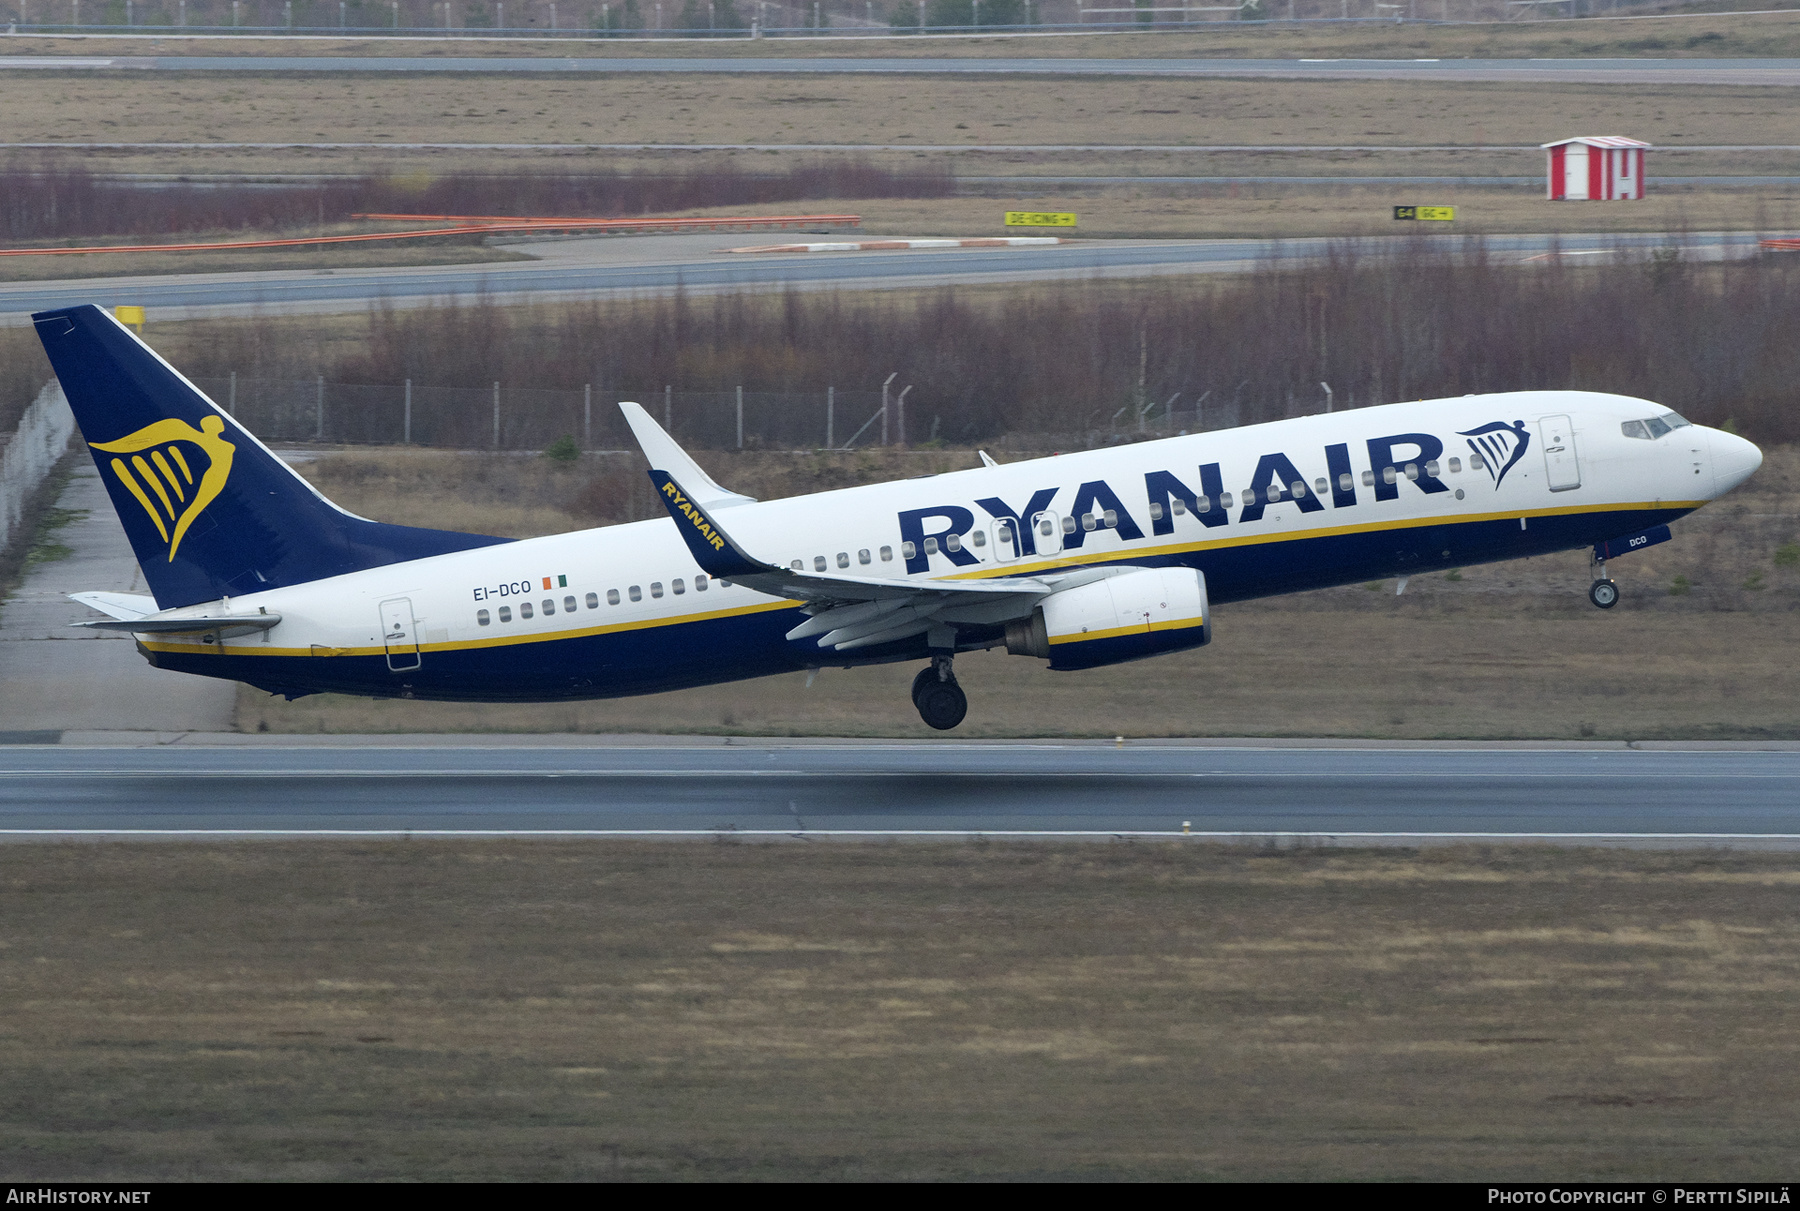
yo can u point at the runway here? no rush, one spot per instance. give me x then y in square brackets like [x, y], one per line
[1776, 72]
[1347, 795]
[641, 266]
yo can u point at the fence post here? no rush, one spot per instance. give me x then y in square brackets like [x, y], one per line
[496, 415]
[830, 415]
[740, 415]
[587, 416]
[900, 415]
[231, 399]
[895, 374]
[668, 407]
[407, 440]
[319, 412]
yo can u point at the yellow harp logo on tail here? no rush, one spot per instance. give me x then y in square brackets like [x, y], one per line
[162, 472]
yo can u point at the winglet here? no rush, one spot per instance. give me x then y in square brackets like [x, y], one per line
[662, 451]
[713, 549]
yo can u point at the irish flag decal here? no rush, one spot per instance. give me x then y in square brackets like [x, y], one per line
[561, 582]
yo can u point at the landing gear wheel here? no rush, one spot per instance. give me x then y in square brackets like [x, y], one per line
[1604, 593]
[927, 676]
[942, 704]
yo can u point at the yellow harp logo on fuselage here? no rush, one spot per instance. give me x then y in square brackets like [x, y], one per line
[163, 478]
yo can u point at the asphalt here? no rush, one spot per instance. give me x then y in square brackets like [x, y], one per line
[699, 264]
[1778, 72]
[1347, 795]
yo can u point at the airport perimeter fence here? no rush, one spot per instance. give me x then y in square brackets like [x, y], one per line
[498, 417]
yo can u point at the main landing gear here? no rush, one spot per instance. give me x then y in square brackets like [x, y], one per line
[941, 702]
[1604, 593]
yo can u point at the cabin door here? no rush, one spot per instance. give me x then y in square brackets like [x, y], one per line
[400, 634]
[1560, 462]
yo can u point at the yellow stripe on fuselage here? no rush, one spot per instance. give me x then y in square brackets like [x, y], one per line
[251, 647]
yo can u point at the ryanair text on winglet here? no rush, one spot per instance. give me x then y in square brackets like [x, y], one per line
[693, 515]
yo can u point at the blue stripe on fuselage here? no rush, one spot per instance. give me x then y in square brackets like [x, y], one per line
[679, 655]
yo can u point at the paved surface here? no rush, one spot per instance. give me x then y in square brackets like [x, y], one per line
[698, 264]
[1742, 797]
[54, 677]
[1001, 148]
[1783, 72]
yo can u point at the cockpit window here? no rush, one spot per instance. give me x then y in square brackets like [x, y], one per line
[1655, 426]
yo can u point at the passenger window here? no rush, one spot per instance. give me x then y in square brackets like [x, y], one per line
[1068, 525]
[505, 613]
[612, 597]
[1202, 504]
[1087, 521]
[1412, 470]
[1225, 500]
[1431, 468]
[979, 538]
[1476, 462]
[1273, 494]
[1156, 511]
[1347, 484]
[843, 559]
[1249, 498]
[953, 542]
[700, 584]
[862, 556]
[799, 565]
[549, 606]
[1321, 485]
[635, 593]
[931, 547]
[568, 605]
[524, 609]
[1112, 519]
[724, 584]
[887, 555]
[1455, 465]
[481, 618]
[1046, 527]
[656, 588]
[1299, 489]
[1389, 475]
[1368, 479]
[678, 586]
[818, 563]
[907, 550]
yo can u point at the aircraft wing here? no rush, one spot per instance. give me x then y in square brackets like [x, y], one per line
[849, 612]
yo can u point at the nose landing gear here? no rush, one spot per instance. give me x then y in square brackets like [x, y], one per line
[1604, 592]
[941, 702]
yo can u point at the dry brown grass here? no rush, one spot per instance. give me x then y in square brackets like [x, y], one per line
[154, 107]
[513, 1010]
[1509, 650]
[1695, 35]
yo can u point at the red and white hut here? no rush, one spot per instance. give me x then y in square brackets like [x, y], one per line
[1596, 168]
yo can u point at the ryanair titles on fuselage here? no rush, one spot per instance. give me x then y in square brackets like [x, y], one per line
[1276, 480]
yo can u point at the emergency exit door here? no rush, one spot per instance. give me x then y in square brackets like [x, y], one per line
[1560, 462]
[400, 634]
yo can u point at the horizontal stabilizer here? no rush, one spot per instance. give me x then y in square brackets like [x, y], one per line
[117, 605]
[227, 625]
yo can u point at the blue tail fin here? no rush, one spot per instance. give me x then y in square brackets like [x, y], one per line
[209, 510]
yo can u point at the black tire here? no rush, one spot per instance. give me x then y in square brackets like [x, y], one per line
[927, 675]
[1604, 594]
[942, 704]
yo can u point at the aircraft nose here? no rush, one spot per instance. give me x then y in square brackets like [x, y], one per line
[1734, 460]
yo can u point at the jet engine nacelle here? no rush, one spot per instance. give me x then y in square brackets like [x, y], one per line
[1120, 618]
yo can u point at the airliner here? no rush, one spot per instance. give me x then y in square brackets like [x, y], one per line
[1080, 560]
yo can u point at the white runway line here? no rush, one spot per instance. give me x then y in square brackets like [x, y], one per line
[1008, 241]
[408, 833]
